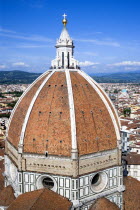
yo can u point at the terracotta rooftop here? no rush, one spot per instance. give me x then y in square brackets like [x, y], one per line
[40, 199]
[132, 159]
[46, 199]
[1, 181]
[124, 123]
[2, 152]
[48, 127]
[132, 137]
[131, 194]
[2, 144]
[126, 118]
[137, 112]
[103, 204]
[133, 126]
[7, 196]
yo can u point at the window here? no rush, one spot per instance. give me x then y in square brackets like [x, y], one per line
[96, 180]
[68, 59]
[48, 183]
[62, 59]
[99, 182]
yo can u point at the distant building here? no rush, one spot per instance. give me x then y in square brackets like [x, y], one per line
[133, 165]
[123, 94]
[125, 141]
[135, 148]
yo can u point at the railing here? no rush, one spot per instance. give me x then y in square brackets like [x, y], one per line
[70, 67]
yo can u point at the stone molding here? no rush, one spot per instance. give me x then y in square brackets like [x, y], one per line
[62, 165]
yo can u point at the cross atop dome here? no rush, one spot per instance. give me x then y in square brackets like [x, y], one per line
[64, 21]
[64, 16]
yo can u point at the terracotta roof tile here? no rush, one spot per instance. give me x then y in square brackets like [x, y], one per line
[133, 126]
[1, 180]
[105, 204]
[2, 144]
[1, 152]
[7, 196]
[111, 106]
[131, 194]
[20, 113]
[40, 199]
[132, 159]
[1, 165]
[49, 126]
[94, 132]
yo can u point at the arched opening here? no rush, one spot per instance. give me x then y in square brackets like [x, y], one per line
[68, 60]
[62, 59]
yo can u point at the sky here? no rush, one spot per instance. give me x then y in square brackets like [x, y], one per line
[106, 34]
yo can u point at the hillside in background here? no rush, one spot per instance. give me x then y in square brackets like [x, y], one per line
[119, 77]
[17, 77]
[22, 77]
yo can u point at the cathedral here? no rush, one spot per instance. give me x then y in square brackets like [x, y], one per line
[64, 135]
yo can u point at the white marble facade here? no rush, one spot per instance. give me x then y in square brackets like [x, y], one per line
[81, 191]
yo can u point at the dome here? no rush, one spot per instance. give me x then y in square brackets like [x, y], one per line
[63, 134]
[64, 111]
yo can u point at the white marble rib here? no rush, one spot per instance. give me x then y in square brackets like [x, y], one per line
[72, 111]
[29, 111]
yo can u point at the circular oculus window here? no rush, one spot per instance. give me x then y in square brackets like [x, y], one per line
[46, 181]
[99, 182]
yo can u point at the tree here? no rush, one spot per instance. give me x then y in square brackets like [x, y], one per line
[127, 111]
[115, 91]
